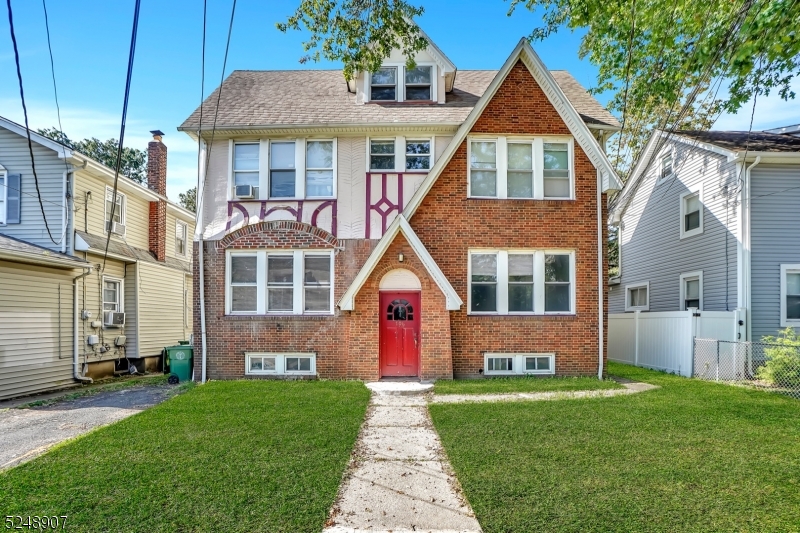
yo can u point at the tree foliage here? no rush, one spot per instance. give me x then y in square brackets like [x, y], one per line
[188, 199]
[134, 162]
[359, 33]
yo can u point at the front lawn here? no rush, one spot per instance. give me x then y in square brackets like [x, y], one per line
[690, 456]
[226, 456]
[504, 385]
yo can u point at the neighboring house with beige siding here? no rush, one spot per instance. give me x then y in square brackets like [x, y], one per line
[145, 278]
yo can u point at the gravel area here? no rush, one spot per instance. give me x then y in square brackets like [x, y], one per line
[30, 432]
[630, 388]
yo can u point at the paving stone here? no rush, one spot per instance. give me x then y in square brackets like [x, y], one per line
[401, 443]
[401, 416]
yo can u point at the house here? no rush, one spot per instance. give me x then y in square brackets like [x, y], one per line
[708, 220]
[68, 312]
[417, 222]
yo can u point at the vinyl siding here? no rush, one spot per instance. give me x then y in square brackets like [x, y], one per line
[131, 306]
[774, 240]
[137, 211]
[172, 221]
[161, 308]
[90, 299]
[651, 248]
[31, 357]
[15, 157]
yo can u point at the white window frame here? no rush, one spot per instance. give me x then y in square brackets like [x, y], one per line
[298, 281]
[264, 164]
[3, 197]
[790, 268]
[538, 165]
[280, 364]
[232, 162]
[185, 226]
[660, 178]
[400, 88]
[538, 281]
[628, 306]
[518, 364]
[688, 276]
[696, 190]
[331, 140]
[123, 203]
[120, 294]
[400, 154]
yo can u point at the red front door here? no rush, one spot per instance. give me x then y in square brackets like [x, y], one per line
[400, 319]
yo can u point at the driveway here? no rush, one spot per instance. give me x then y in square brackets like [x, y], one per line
[30, 432]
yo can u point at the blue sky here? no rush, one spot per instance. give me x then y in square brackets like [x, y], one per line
[90, 41]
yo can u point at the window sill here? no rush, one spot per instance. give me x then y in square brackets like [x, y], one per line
[689, 234]
[276, 317]
[524, 315]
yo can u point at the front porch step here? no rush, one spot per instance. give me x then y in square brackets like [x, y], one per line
[401, 388]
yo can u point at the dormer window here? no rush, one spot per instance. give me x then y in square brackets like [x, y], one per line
[418, 83]
[383, 85]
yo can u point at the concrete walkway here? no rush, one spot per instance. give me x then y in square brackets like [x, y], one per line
[630, 387]
[399, 479]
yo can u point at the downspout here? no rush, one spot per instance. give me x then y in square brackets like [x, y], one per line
[76, 372]
[200, 264]
[600, 278]
[746, 237]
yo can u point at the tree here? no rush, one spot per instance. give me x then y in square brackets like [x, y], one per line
[663, 60]
[134, 162]
[188, 199]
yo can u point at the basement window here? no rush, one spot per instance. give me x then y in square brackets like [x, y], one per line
[280, 364]
[505, 364]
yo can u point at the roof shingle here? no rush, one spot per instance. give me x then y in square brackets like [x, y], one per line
[754, 141]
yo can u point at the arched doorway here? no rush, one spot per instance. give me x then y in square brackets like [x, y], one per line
[400, 320]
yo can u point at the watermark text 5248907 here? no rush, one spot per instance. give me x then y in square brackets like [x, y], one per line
[35, 523]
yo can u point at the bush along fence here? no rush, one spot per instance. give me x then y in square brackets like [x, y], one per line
[772, 364]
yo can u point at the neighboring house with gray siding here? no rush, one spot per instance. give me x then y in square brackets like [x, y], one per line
[68, 312]
[709, 220]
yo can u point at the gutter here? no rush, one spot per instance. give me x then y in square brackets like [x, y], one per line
[600, 280]
[76, 372]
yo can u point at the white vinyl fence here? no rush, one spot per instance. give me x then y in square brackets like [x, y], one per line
[665, 340]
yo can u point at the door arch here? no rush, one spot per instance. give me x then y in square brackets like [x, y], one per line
[400, 320]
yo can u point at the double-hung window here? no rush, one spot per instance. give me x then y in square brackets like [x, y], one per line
[790, 295]
[666, 167]
[400, 154]
[520, 167]
[381, 154]
[119, 209]
[293, 282]
[180, 238]
[521, 282]
[383, 84]
[282, 171]
[691, 290]
[637, 297]
[112, 295]
[418, 155]
[245, 165]
[418, 83]
[691, 213]
[319, 168]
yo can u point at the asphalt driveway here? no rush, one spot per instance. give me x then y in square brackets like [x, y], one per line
[27, 433]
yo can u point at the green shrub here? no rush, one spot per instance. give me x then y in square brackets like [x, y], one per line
[783, 360]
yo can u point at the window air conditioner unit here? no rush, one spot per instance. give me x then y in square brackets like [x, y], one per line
[113, 318]
[245, 191]
[117, 228]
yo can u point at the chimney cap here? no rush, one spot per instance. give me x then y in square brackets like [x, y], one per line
[157, 134]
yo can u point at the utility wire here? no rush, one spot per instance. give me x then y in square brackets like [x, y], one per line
[27, 127]
[131, 54]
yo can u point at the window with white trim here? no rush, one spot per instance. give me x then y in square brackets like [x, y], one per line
[119, 210]
[790, 295]
[3, 197]
[520, 167]
[418, 83]
[180, 238]
[532, 282]
[637, 297]
[381, 154]
[319, 168]
[691, 290]
[665, 167]
[383, 85]
[282, 171]
[112, 294]
[418, 154]
[292, 282]
[522, 363]
[280, 364]
[691, 213]
[246, 165]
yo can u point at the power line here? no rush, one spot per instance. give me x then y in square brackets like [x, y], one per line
[131, 54]
[27, 127]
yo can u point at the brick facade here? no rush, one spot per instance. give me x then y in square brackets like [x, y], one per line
[157, 181]
[448, 224]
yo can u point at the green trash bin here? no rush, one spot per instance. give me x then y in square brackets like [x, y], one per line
[180, 361]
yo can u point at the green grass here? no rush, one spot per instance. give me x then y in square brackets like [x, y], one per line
[501, 385]
[690, 456]
[226, 456]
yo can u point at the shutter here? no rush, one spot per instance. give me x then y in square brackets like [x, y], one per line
[13, 200]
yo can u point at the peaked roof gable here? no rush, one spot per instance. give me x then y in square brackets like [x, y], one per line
[400, 225]
[525, 53]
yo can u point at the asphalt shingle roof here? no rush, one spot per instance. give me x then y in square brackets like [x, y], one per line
[253, 98]
[737, 141]
[10, 244]
[98, 245]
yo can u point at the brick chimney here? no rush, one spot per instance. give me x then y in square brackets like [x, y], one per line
[157, 182]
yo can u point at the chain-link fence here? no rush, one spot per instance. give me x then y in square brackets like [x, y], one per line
[773, 367]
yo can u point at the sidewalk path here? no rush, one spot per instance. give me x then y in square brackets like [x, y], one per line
[630, 387]
[399, 479]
